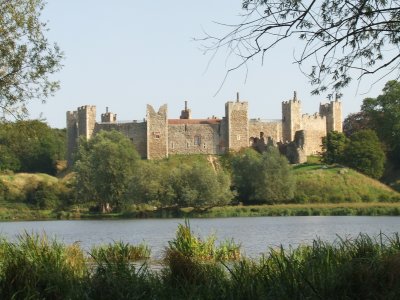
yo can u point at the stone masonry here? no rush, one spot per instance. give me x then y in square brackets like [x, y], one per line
[157, 136]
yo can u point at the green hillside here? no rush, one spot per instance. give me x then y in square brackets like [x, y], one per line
[319, 183]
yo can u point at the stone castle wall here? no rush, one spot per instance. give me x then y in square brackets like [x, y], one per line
[157, 136]
[136, 132]
[259, 128]
[157, 132]
[86, 120]
[189, 138]
[291, 119]
[314, 127]
[238, 125]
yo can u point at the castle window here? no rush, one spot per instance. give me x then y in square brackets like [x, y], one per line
[238, 137]
[197, 140]
[204, 145]
[172, 145]
[187, 145]
[156, 134]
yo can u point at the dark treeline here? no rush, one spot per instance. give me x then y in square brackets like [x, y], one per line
[31, 146]
[374, 129]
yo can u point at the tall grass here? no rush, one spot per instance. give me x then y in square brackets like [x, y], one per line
[120, 252]
[365, 267]
[38, 268]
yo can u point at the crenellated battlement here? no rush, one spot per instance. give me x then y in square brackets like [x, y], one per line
[314, 116]
[157, 136]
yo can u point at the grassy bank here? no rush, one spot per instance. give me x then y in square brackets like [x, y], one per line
[317, 183]
[320, 191]
[193, 268]
[326, 209]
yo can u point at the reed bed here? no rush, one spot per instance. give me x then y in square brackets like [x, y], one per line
[365, 267]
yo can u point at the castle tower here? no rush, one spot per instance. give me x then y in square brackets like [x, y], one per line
[186, 113]
[291, 118]
[108, 117]
[72, 135]
[157, 132]
[236, 114]
[86, 120]
[333, 113]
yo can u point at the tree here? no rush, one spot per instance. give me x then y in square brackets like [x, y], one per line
[150, 184]
[30, 146]
[333, 147]
[356, 122]
[104, 168]
[364, 153]
[338, 36]
[384, 115]
[244, 168]
[200, 186]
[26, 56]
[262, 178]
[274, 181]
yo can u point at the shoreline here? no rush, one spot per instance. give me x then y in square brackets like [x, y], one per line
[277, 210]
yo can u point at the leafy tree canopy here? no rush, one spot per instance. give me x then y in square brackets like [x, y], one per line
[31, 146]
[333, 147]
[191, 183]
[244, 165]
[337, 36]
[262, 178]
[26, 56]
[356, 122]
[105, 166]
[274, 182]
[200, 186]
[364, 153]
[384, 115]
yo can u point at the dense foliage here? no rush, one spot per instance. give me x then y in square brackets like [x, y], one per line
[31, 146]
[356, 122]
[333, 146]
[104, 168]
[262, 178]
[191, 184]
[26, 56]
[364, 153]
[383, 113]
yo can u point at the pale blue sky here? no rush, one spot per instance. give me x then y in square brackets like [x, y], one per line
[124, 54]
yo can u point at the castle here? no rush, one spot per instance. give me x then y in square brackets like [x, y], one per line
[157, 136]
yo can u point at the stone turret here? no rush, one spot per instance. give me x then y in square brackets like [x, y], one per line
[108, 117]
[157, 132]
[236, 114]
[333, 113]
[86, 120]
[291, 118]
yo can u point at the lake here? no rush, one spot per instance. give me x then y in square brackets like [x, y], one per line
[256, 234]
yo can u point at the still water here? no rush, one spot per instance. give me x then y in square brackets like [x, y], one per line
[255, 234]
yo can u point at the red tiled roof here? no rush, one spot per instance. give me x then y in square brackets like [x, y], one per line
[193, 121]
